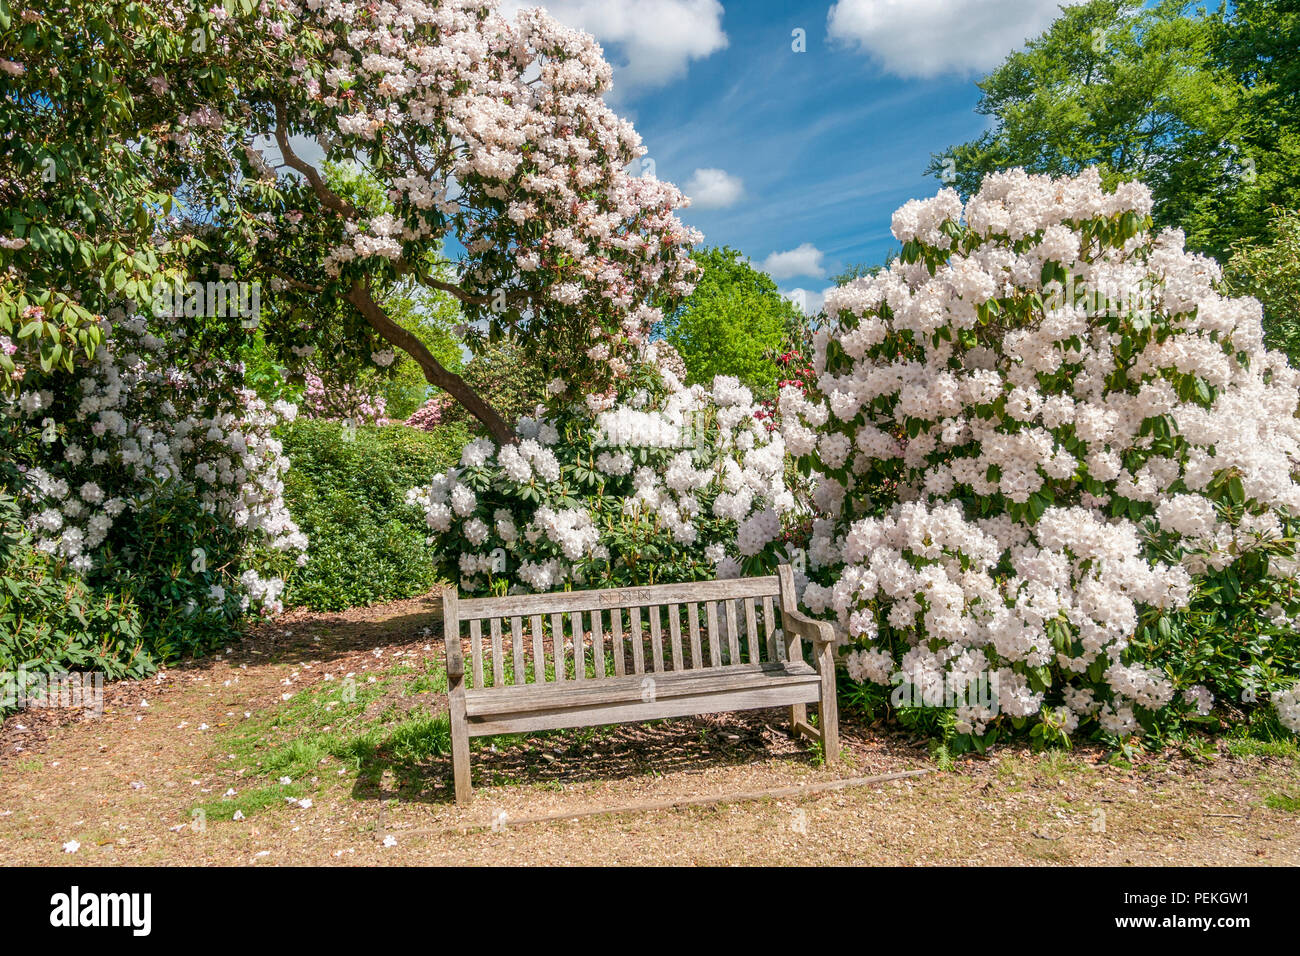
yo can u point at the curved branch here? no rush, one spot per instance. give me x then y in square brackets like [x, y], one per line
[436, 374]
[291, 159]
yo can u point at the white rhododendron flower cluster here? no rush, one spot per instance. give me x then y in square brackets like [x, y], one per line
[1039, 424]
[134, 428]
[670, 483]
[1287, 704]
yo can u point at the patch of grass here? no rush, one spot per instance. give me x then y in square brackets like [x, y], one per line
[1044, 767]
[1283, 801]
[1264, 736]
[332, 723]
[1256, 747]
[250, 801]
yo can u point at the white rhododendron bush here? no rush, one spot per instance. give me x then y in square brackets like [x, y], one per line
[1055, 459]
[667, 483]
[147, 472]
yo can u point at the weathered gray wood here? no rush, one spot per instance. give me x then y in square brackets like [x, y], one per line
[498, 659]
[539, 648]
[598, 643]
[751, 632]
[733, 633]
[793, 649]
[476, 650]
[807, 730]
[557, 648]
[517, 648]
[548, 697]
[616, 639]
[769, 628]
[713, 702]
[621, 597]
[656, 638]
[638, 648]
[715, 651]
[828, 714]
[451, 634]
[723, 681]
[456, 697]
[579, 647]
[693, 624]
[675, 634]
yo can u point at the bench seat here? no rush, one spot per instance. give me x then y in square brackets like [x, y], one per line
[639, 697]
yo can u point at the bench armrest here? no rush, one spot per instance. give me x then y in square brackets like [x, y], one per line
[819, 632]
[451, 634]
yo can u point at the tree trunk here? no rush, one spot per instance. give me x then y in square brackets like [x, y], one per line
[434, 372]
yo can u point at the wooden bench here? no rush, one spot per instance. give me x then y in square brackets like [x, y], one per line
[604, 659]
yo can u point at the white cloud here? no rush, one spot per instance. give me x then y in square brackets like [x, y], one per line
[714, 189]
[803, 260]
[810, 301]
[924, 38]
[655, 39]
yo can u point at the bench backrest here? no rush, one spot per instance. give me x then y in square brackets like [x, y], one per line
[591, 635]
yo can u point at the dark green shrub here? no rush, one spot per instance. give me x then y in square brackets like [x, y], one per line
[346, 488]
[50, 621]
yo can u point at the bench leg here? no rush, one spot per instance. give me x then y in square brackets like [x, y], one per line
[459, 742]
[798, 715]
[828, 709]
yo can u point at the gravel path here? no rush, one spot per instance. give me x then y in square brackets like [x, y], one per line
[124, 785]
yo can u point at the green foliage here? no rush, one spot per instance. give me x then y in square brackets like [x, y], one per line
[275, 371]
[347, 491]
[734, 323]
[1199, 107]
[1235, 636]
[1270, 271]
[506, 376]
[51, 621]
[857, 270]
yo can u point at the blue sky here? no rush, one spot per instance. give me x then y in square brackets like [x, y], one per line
[804, 153]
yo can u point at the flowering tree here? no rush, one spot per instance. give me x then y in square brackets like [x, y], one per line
[476, 127]
[489, 131]
[1041, 433]
[668, 484]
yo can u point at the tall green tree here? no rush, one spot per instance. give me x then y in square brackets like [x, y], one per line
[1259, 45]
[734, 323]
[1270, 271]
[1195, 105]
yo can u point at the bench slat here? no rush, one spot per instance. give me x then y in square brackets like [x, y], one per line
[557, 647]
[751, 632]
[793, 695]
[715, 652]
[539, 649]
[598, 643]
[769, 629]
[693, 623]
[656, 638]
[579, 647]
[517, 647]
[638, 648]
[675, 634]
[733, 633]
[616, 640]
[563, 601]
[476, 650]
[498, 662]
